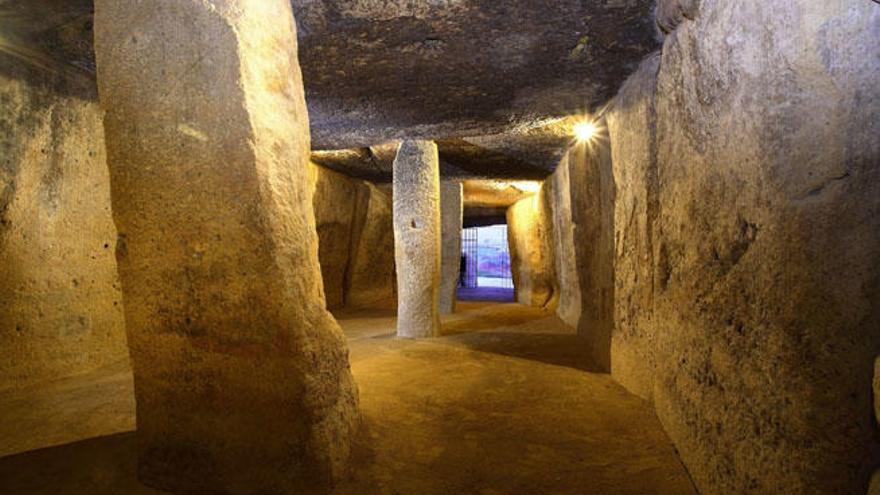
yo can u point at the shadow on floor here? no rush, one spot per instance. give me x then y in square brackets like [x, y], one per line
[97, 466]
[549, 348]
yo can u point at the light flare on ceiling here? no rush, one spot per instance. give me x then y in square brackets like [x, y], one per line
[585, 131]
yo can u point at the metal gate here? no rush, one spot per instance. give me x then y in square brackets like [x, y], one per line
[495, 268]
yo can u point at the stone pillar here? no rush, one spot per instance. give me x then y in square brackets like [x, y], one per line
[416, 199]
[241, 376]
[450, 259]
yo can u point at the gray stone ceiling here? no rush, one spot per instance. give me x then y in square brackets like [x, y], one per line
[385, 69]
[492, 81]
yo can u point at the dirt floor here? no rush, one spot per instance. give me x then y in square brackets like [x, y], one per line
[504, 403]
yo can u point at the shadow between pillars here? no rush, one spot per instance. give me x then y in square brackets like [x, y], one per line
[97, 466]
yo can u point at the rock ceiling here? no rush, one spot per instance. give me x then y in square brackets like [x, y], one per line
[495, 83]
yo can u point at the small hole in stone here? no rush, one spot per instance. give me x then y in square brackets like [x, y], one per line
[413, 224]
[188, 320]
[106, 245]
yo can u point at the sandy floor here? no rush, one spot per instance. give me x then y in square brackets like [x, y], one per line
[504, 403]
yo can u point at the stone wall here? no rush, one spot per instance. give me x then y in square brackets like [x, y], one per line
[355, 241]
[634, 156]
[451, 209]
[559, 190]
[762, 232]
[875, 479]
[60, 303]
[372, 280]
[592, 189]
[334, 200]
[530, 239]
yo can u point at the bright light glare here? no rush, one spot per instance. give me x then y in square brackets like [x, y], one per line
[528, 186]
[585, 130]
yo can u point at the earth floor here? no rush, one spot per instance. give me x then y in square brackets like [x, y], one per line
[505, 402]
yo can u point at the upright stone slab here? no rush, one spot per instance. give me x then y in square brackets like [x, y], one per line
[241, 376]
[766, 241]
[371, 281]
[450, 260]
[416, 199]
[633, 149]
[530, 241]
[592, 189]
[565, 260]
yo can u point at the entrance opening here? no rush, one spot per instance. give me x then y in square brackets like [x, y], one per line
[485, 265]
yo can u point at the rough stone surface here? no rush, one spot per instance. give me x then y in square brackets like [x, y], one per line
[670, 13]
[241, 375]
[767, 288]
[592, 186]
[450, 261]
[371, 68]
[60, 303]
[631, 127]
[371, 281]
[874, 488]
[334, 200]
[52, 36]
[877, 389]
[567, 277]
[530, 240]
[355, 241]
[417, 238]
[529, 153]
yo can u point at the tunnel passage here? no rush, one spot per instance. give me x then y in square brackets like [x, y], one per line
[694, 255]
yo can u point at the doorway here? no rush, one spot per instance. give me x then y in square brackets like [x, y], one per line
[485, 265]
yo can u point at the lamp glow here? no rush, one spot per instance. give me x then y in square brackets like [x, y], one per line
[585, 130]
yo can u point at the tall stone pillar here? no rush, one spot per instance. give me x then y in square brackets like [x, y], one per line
[450, 257]
[241, 376]
[417, 238]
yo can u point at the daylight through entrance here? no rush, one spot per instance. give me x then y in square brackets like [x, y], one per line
[485, 264]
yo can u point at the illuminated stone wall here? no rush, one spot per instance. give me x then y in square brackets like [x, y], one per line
[60, 303]
[530, 237]
[762, 302]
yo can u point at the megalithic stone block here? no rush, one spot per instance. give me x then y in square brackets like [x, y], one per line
[450, 257]
[241, 376]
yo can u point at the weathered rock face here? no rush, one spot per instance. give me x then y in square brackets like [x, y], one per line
[371, 67]
[371, 281]
[874, 488]
[334, 200]
[592, 188]
[567, 277]
[241, 375]
[631, 125]
[450, 256]
[60, 303]
[766, 292]
[877, 389]
[530, 240]
[417, 238]
[355, 241]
